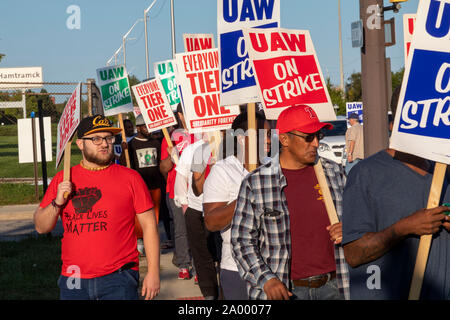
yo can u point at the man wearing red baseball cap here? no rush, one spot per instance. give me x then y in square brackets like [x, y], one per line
[281, 236]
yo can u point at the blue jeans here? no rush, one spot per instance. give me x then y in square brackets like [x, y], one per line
[329, 291]
[115, 286]
[350, 165]
[233, 287]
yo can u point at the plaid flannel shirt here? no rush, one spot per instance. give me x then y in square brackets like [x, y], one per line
[260, 230]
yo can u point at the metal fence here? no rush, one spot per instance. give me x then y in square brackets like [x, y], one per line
[53, 94]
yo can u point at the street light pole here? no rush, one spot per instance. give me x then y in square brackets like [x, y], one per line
[173, 29]
[124, 39]
[146, 37]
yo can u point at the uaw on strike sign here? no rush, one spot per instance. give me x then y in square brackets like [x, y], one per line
[237, 76]
[68, 123]
[154, 105]
[115, 90]
[199, 77]
[287, 71]
[422, 120]
[164, 70]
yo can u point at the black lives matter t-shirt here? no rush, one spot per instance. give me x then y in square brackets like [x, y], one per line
[145, 156]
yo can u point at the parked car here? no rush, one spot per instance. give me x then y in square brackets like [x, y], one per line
[332, 146]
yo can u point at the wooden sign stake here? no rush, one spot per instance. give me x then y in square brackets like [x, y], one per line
[124, 138]
[169, 143]
[251, 120]
[425, 240]
[67, 154]
[329, 204]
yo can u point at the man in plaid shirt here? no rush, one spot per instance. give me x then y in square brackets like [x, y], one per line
[281, 239]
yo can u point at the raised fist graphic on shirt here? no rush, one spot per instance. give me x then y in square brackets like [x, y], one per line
[84, 199]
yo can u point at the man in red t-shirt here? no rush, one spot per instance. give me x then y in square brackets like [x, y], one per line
[99, 255]
[180, 139]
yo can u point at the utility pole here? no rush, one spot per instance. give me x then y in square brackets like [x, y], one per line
[341, 63]
[373, 77]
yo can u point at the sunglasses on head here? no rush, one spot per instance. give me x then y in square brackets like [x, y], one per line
[310, 137]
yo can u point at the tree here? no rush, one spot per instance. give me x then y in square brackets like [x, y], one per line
[133, 80]
[353, 87]
[1, 56]
[336, 96]
[48, 107]
[397, 78]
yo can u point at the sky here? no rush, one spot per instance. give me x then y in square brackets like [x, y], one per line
[34, 33]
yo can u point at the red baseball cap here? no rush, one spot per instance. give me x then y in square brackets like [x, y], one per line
[302, 118]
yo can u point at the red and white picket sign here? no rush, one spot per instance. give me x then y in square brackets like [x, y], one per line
[199, 78]
[198, 41]
[68, 123]
[154, 105]
[409, 21]
[287, 71]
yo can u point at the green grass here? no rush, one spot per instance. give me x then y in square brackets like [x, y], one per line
[18, 193]
[29, 269]
[11, 168]
[9, 160]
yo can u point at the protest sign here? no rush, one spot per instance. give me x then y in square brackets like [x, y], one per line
[408, 28]
[68, 123]
[164, 70]
[422, 120]
[115, 90]
[287, 71]
[354, 107]
[154, 105]
[200, 83]
[238, 84]
[198, 41]
[25, 140]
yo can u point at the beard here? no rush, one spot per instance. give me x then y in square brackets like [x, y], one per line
[97, 159]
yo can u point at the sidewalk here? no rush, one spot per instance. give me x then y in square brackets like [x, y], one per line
[16, 223]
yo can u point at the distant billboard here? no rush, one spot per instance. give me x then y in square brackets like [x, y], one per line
[24, 77]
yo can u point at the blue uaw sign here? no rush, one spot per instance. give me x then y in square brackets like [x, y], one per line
[422, 120]
[238, 84]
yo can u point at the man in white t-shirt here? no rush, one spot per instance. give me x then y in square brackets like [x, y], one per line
[195, 227]
[220, 192]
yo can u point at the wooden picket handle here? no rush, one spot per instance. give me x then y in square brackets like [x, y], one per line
[329, 204]
[170, 144]
[252, 151]
[214, 142]
[66, 175]
[425, 240]
[124, 138]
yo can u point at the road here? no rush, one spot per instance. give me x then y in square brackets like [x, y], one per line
[16, 223]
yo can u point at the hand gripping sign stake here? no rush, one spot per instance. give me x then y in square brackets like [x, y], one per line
[425, 240]
[169, 143]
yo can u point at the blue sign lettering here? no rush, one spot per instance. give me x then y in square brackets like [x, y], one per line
[426, 107]
[250, 10]
[436, 15]
[235, 63]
